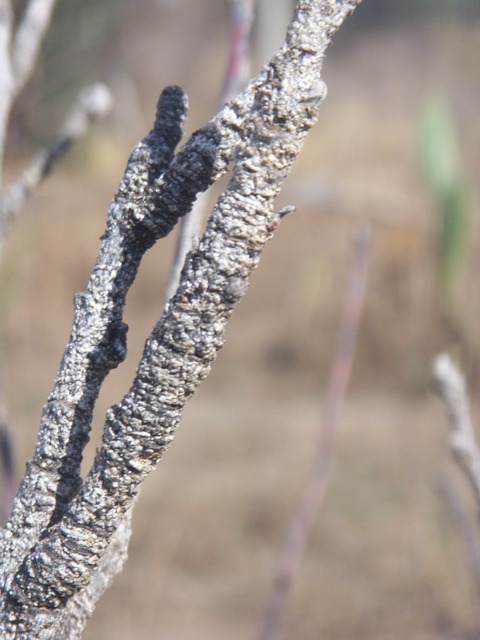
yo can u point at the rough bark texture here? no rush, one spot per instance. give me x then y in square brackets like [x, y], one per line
[58, 547]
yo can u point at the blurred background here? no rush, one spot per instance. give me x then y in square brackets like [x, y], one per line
[397, 145]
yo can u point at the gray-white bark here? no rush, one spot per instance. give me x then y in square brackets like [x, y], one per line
[58, 541]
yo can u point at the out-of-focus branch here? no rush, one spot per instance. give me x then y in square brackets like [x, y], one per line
[81, 606]
[6, 458]
[18, 53]
[93, 103]
[6, 21]
[464, 525]
[301, 525]
[241, 17]
[188, 231]
[6, 74]
[27, 40]
[451, 387]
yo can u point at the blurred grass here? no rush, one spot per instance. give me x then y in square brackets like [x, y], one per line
[450, 193]
[384, 562]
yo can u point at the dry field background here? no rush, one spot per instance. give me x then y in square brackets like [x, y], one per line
[384, 560]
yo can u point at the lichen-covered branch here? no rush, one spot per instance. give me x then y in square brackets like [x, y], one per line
[61, 527]
[98, 339]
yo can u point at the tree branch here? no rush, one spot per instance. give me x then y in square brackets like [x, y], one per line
[6, 74]
[27, 40]
[241, 19]
[81, 606]
[61, 528]
[98, 340]
[241, 16]
[452, 389]
[93, 103]
[17, 58]
[315, 487]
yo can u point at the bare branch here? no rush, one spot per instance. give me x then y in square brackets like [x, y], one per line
[17, 58]
[61, 528]
[93, 103]
[452, 389]
[98, 338]
[188, 231]
[7, 464]
[28, 38]
[80, 608]
[6, 25]
[6, 75]
[315, 487]
[241, 16]
[464, 525]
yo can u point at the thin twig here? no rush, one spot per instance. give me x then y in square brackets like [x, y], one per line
[241, 17]
[301, 525]
[188, 231]
[18, 53]
[80, 608]
[463, 524]
[27, 40]
[7, 465]
[6, 74]
[451, 386]
[93, 103]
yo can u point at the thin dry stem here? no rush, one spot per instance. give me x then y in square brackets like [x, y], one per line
[93, 103]
[241, 17]
[7, 464]
[452, 389]
[27, 40]
[301, 525]
[6, 74]
[464, 525]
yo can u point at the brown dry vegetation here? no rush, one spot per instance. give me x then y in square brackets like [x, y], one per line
[384, 560]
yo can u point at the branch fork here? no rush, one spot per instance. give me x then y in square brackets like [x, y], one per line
[62, 528]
